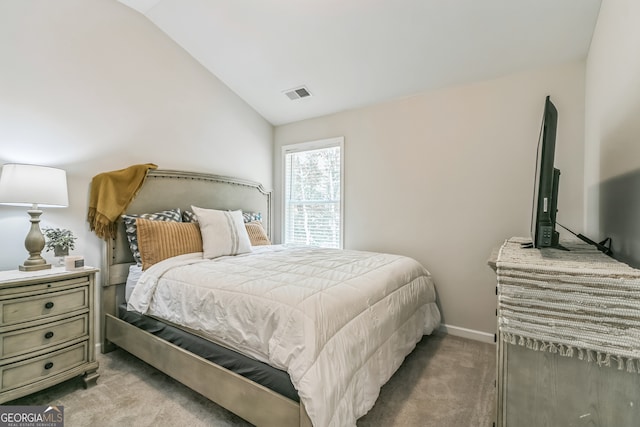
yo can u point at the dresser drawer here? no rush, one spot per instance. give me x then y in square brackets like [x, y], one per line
[31, 286]
[24, 309]
[29, 371]
[38, 338]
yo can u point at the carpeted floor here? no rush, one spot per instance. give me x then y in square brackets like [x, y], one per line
[445, 382]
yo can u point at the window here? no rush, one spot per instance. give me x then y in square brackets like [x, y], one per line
[313, 193]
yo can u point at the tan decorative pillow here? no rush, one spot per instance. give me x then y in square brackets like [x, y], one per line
[257, 234]
[159, 240]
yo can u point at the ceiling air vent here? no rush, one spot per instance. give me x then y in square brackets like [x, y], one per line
[297, 93]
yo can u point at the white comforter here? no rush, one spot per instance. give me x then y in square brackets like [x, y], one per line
[339, 322]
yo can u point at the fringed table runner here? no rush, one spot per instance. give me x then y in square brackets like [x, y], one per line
[578, 302]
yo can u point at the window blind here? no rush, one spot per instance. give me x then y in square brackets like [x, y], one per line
[312, 209]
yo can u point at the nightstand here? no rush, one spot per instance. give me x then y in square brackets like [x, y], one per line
[47, 329]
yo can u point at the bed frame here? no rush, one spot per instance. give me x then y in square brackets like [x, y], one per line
[166, 189]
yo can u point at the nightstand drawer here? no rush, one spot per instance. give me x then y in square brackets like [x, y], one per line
[35, 307]
[39, 368]
[38, 338]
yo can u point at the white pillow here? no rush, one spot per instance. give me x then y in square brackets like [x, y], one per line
[223, 232]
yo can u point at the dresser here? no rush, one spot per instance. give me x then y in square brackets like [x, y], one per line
[47, 329]
[568, 337]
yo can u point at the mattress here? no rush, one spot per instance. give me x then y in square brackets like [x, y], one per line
[338, 322]
[259, 372]
[135, 271]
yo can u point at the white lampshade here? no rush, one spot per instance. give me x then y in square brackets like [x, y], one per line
[26, 185]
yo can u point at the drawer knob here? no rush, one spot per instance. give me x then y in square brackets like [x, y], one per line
[48, 365]
[48, 335]
[48, 305]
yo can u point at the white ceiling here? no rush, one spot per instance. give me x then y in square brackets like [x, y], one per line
[353, 53]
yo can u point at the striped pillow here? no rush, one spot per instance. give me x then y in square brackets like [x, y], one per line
[223, 232]
[130, 227]
[159, 240]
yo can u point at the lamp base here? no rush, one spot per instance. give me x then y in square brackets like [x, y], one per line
[34, 243]
[34, 267]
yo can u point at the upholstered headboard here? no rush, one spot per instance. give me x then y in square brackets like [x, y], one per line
[167, 189]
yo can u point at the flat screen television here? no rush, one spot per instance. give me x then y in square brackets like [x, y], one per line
[545, 191]
[546, 184]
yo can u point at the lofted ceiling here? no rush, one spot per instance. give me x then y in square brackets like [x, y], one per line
[353, 53]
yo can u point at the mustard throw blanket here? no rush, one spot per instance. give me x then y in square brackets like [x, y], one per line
[110, 194]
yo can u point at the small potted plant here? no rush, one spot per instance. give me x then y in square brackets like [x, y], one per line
[59, 240]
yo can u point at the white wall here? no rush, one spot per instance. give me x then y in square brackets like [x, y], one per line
[612, 129]
[446, 176]
[91, 86]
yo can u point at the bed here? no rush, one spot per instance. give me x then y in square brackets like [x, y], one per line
[277, 364]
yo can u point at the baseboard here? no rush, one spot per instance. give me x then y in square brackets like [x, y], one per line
[466, 333]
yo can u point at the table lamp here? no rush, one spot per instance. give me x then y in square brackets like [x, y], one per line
[35, 186]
